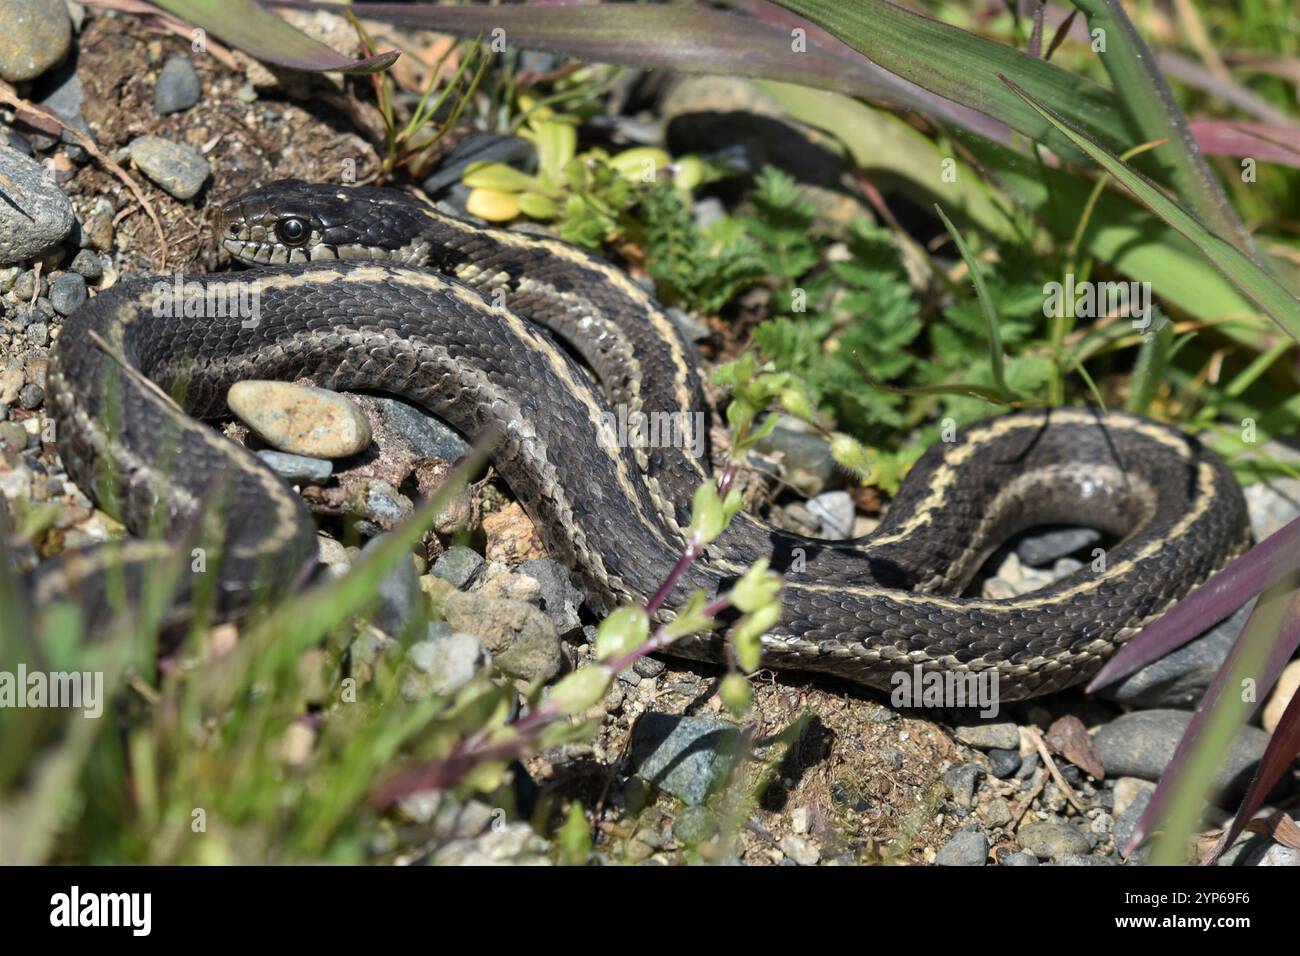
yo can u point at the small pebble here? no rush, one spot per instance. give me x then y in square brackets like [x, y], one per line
[87, 265]
[459, 566]
[31, 396]
[1051, 840]
[13, 436]
[39, 220]
[694, 825]
[1003, 763]
[989, 736]
[68, 293]
[966, 848]
[962, 781]
[297, 469]
[443, 666]
[1019, 859]
[175, 167]
[834, 513]
[800, 850]
[178, 86]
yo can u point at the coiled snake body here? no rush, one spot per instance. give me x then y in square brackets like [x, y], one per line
[394, 296]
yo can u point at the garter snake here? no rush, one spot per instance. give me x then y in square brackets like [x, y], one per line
[372, 290]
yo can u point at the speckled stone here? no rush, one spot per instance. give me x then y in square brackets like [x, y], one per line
[300, 419]
[34, 36]
[37, 216]
[175, 167]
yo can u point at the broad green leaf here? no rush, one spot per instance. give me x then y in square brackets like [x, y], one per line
[879, 141]
[756, 588]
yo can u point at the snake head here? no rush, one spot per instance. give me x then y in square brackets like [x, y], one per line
[293, 221]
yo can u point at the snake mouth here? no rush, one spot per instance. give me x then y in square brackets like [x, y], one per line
[274, 253]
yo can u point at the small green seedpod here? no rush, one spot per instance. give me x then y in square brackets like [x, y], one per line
[582, 689]
[736, 694]
[622, 633]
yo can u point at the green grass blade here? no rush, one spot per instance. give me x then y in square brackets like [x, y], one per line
[261, 34]
[1152, 361]
[986, 303]
[1149, 101]
[1256, 284]
[962, 67]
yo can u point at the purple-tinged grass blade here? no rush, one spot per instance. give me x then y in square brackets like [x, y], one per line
[1261, 567]
[903, 93]
[1282, 749]
[683, 39]
[1245, 99]
[257, 31]
[1256, 659]
[1262, 141]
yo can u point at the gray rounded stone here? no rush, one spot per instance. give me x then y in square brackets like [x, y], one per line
[178, 86]
[560, 599]
[1001, 735]
[68, 293]
[175, 167]
[966, 848]
[1041, 548]
[1180, 678]
[443, 666]
[87, 265]
[684, 756]
[1052, 840]
[834, 513]
[522, 641]
[426, 434]
[806, 461]
[962, 781]
[695, 825]
[35, 214]
[1003, 763]
[34, 36]
[1141, 744]
[400, 606]
[1020, 859]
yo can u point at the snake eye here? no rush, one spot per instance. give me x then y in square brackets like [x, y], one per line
[292, 231]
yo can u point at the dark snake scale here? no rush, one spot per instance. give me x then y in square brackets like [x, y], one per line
[415, 303]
